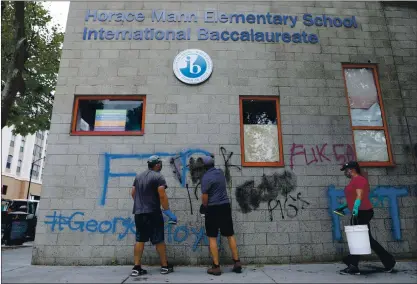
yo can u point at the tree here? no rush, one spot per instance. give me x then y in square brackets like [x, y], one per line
[31, 50]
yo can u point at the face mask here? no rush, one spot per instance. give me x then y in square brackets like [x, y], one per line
[160, 167]
[348, 173]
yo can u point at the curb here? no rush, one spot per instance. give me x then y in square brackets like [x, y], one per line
[4, 247]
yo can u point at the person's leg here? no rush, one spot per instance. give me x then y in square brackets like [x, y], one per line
[352, 261]
[138, 251]
[386, 258]
[161, 249]
[226, 229]
[233, 247]
[212, 229]
[158, 239]
[214, 250]
[142, 236]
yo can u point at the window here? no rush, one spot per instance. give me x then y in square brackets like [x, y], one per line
[37, 151]
[12, 140]
[370, 133]
[260, 132]
[19, 166]
[35, 171]
[9, 162]
[109, 115]
[22, 146]
[4, 189]
[39, 135]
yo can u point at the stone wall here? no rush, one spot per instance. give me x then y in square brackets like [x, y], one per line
[314, 114]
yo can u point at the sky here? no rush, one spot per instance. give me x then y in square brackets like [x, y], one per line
[59, 12]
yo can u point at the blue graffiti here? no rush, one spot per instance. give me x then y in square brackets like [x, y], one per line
[179, 235]
[183, 156]
[93, 226]
[377, 197]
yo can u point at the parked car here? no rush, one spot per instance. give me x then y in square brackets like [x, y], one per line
[23, 213]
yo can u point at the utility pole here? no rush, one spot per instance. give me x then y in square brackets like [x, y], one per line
[30, 178]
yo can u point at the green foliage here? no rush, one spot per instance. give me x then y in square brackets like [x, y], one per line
[32, 110]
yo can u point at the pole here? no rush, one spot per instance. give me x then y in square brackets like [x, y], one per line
[30, 177]
[30, 180]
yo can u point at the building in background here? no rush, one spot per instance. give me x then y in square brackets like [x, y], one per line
[22, 157]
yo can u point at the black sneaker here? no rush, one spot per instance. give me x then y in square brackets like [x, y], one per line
[390, 269]
[351, 270]
[137, 271]
[167, 269]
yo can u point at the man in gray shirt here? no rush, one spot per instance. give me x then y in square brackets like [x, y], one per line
[218, 214]
[148, 193]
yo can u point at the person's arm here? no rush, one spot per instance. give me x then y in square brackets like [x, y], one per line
[163, 198]
[205, 186]
[204, 199]
[357, 204]
[133, 192]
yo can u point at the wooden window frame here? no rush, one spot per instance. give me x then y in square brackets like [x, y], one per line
[77, 98]
[280, 163]
[384, 127]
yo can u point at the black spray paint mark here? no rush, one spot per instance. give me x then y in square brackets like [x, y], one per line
[176, 167]
[227, 166]
[274, 203]
[189, 198]
[197, 170]
[226, 159]
[249, 197]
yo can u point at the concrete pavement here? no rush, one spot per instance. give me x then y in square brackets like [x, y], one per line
[16, 268]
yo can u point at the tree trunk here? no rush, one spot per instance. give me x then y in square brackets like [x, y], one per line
[14, 82]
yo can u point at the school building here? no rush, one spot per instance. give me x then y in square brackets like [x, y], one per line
[281, 93]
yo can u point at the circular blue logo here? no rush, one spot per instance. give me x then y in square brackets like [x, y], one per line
[192, 66]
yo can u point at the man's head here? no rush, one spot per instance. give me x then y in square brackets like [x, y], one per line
[155, 163]
[351, 169]
[208, 162]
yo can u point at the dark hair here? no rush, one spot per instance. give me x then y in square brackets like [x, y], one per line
[357, 169]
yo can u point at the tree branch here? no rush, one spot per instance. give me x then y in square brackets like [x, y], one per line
[14, 82]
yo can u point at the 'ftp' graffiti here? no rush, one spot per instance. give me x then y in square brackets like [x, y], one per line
[379, 192]
[181, 156]
[342, 154]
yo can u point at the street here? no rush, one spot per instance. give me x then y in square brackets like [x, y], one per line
[16, 268]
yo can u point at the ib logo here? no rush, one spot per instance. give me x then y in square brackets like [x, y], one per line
[192, 66]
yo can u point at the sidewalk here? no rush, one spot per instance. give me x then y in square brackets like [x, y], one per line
[17, 269]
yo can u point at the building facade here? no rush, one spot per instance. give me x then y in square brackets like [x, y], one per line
[19, 153]
[281, 93]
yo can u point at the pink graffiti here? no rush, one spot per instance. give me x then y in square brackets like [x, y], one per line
[342, 153]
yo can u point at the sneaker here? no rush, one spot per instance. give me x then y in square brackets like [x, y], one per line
[390, 269]
[167, 269]
[214, 270]
[352, 270]
[237, 268]
[137, 271]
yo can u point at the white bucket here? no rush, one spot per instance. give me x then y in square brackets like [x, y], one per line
[358, 239]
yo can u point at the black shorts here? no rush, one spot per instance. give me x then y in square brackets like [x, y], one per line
[219, 217]
[149, 226]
